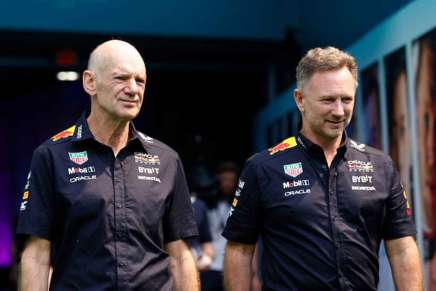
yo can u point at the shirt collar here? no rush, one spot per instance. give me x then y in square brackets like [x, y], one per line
[82, 132]
[312, 148]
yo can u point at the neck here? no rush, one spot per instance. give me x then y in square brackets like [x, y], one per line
[108, 131]
[328, 145]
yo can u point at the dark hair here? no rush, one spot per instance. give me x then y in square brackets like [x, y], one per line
[227, 166]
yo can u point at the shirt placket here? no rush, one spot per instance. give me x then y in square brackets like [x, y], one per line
[120, 231]
[336, 222]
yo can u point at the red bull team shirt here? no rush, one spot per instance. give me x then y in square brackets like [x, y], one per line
[107, 217]
[321, 227]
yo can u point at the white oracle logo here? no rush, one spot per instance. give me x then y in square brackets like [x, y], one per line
[296, 183]
[83, 178]
[78, 170]
[297, 192]
[148, 170]
[241, 184]
[362, 179]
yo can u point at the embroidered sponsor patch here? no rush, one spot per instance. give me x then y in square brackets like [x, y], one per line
[146, 159]
[295, 183]
[297, 192]
[294, 169]
[26, 193]
[360, 147]
[79, 170]
[286, 144]
[145, 138]
[79, 132]
[148, 170]
[363, 188]
[64, 134]
[408, 208]
[147, 178]
[79, 158]
[360, 166]
[83, 178]
[362, 179]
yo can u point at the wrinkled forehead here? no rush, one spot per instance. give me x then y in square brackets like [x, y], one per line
[334, 82]
[126, 63]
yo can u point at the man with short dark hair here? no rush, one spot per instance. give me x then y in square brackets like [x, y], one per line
[321, 202]
[106, 206]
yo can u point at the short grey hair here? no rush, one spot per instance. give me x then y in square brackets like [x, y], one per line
[322, 60]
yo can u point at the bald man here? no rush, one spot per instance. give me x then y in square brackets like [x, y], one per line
[105, 206]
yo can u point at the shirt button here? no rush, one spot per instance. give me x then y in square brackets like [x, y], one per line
[118, 205]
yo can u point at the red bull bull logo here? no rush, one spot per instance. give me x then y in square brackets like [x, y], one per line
[408, 208]
[64, 134]
[286, 144]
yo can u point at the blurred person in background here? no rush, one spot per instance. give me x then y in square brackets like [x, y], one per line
[218, 204]
[202, 247]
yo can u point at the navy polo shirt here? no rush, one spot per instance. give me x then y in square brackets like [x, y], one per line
[107, 218]
[321, 227]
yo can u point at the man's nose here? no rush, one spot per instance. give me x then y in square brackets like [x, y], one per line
[131, 87]
[338, 108]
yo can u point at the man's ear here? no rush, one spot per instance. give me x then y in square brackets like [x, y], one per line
[89, 82]
[298, 97]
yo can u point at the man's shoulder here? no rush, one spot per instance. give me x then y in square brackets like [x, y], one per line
[286, 146]
[155, 145]
[372, 153]
[59, 139]
[274, 153]
[58, 142]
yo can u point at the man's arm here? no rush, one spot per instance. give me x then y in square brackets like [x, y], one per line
[237, 266]
[35, 265]
[183, 266]
[403, 257]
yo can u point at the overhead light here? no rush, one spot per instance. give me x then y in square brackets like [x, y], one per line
[67, 76]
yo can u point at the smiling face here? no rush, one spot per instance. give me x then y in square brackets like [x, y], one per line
[326, 104]
[116, 81]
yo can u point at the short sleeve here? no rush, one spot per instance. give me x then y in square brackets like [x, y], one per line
[243, 223]
[398, 218]
[37, 203]
[178, 221]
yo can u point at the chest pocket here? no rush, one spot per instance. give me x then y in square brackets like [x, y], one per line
[294, 199]
[361, 199]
